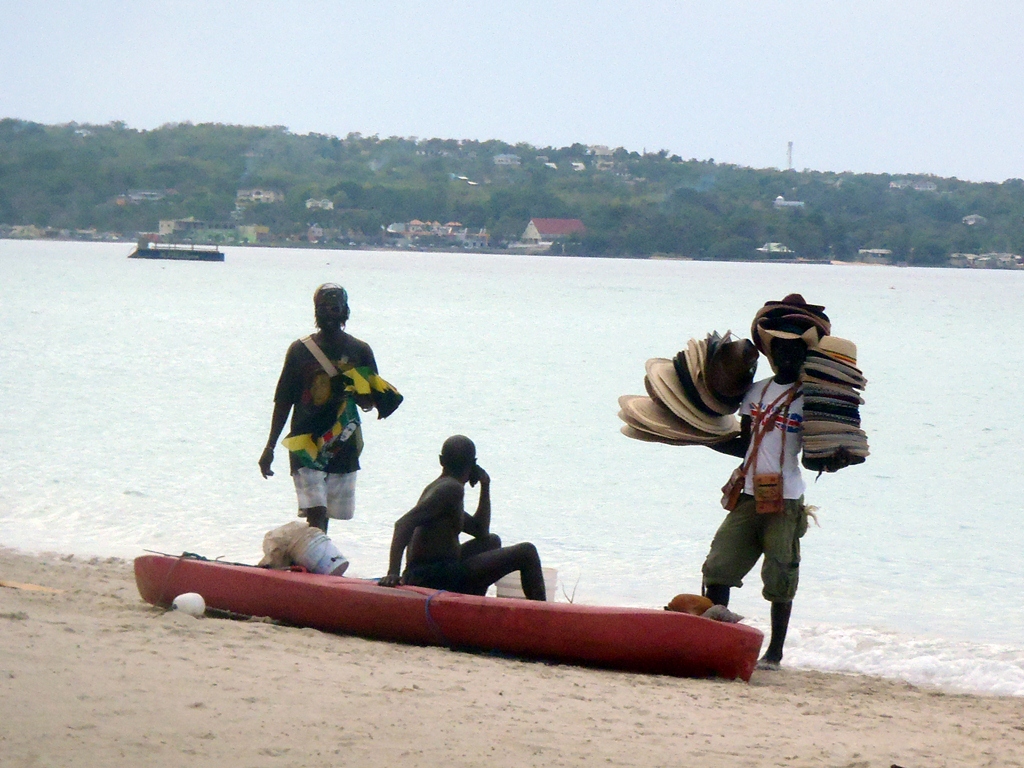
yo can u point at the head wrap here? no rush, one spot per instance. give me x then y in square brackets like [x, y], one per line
[328, 288]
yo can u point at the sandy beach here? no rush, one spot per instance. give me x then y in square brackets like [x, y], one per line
[92, 676]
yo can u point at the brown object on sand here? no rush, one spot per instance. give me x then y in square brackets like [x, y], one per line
[684, 603]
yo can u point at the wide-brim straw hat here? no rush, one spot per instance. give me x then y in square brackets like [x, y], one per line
[681, 364]
[696, 359]
[832, 418]
[835, 440]
[643, 436]
[713, 342]
[663, 384]
[810, 337]
[814, 390]
[794, 303]
[649, 437]
[814, 373]
[814, 427]
[821, 408]
[834, 346]
[796, 300]
[814, 406]
[646, 414]
[827, 363]
[731, 368]
[857, 453]
[819, 463]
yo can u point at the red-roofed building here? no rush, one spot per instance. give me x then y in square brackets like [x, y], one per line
[546, 230]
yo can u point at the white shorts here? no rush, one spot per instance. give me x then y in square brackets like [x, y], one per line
[326, 489]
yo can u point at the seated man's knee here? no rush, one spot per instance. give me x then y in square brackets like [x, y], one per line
[529, 552]
[489, 542]
[475, 547]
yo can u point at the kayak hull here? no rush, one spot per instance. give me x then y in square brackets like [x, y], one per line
[632, 639]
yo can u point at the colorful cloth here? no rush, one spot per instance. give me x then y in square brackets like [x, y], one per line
[315, 450]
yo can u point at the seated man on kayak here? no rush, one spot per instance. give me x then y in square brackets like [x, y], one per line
[430, 531]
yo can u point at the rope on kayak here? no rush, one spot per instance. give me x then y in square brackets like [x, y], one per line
[432, 623]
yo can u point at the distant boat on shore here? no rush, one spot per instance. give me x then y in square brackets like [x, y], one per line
[147, 249]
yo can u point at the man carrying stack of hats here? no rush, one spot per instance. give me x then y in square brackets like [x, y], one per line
[765, 495]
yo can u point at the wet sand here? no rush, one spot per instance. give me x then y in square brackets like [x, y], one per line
[93, 676]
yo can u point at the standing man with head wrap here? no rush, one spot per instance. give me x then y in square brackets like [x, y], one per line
[326, 379]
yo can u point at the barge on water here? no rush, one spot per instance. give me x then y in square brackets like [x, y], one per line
[147, 249]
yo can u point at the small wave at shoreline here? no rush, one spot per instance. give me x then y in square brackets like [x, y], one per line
[954, 666]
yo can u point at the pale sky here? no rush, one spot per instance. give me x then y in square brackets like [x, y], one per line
[922, 86]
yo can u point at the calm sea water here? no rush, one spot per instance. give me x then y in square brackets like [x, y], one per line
[136, 397]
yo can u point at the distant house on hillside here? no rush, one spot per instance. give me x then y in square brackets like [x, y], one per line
[507, 160]
[258, 196]
[253, 233]
[191, 227]
[962, 259]
[1007, 260]
[547, 230]
[26, 230]
[323, 205]
[781, 202]
[774, 248]
[917, 186]
[875, 255]
[136, 196]
[974, 219]
[987, 260]
[604, 158]
[434, 233]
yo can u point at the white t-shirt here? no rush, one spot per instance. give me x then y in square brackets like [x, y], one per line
[754, 403]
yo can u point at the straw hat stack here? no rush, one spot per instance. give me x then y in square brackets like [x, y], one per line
[692, 398]
[831, 383]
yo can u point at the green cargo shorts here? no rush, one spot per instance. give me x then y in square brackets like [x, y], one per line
[745, 535]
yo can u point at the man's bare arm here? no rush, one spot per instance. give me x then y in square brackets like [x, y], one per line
[739, 444]
[479, 523]
[277, 422]
[433, 505]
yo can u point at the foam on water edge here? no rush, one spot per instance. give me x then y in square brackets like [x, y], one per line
[953, 666]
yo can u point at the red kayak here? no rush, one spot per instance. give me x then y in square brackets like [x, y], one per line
[632, 639]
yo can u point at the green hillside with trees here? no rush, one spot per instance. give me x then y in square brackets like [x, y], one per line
[79, 177]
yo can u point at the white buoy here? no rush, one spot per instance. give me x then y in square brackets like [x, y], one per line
[191, 603]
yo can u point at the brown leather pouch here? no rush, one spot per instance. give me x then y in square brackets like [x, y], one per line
[733, 488]
[768, 493]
